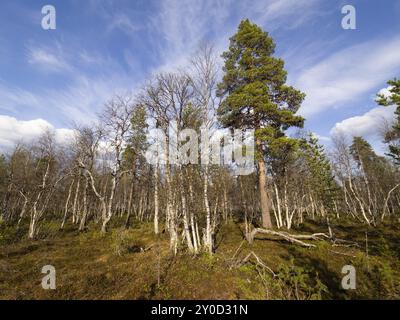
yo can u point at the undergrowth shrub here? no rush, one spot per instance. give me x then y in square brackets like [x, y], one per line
[386, 282]
[10, 234]
[125, 241]
[48, 229]
[376, 279]
[293, 283]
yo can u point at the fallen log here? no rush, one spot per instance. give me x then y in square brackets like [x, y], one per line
[292, 238]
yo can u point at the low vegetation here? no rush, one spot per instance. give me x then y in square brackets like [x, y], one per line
[136, 264]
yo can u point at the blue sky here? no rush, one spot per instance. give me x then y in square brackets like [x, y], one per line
[57, 77]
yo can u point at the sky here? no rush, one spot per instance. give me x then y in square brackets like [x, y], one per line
[55, 78]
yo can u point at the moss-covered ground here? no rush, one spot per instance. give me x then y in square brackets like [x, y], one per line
[91, 265]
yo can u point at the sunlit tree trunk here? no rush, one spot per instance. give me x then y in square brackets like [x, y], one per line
[156, 200]
[67, 204]
[262, 184]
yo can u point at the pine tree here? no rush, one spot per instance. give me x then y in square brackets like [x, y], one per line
[137, 144]
[393, 136]
[372, 165]
[254, 96]
[362, 152]
[133, 156]
[321, 177]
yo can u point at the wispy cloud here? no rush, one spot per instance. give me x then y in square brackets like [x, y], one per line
[122, 22]
[86, 96]
[49, 59]
[92, 58]
[348, 74]
[284, 13]
[78, 102]
[181, 25]
[12, 98]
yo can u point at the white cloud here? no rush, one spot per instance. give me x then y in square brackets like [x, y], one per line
[348, 74]
[370, 126]
[367, 125]
[64, 136]
[13, 131]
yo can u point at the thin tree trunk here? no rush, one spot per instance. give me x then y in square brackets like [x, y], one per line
[185, 219]
[156, 204]
[21, 216]
[67, 204]
[36, 214]
[74, 208]
[208, 235]
[85, 206]
[278, 204]
[387, 199]
[129, 209]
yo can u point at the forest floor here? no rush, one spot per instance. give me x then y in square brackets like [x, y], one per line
[91, 265]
